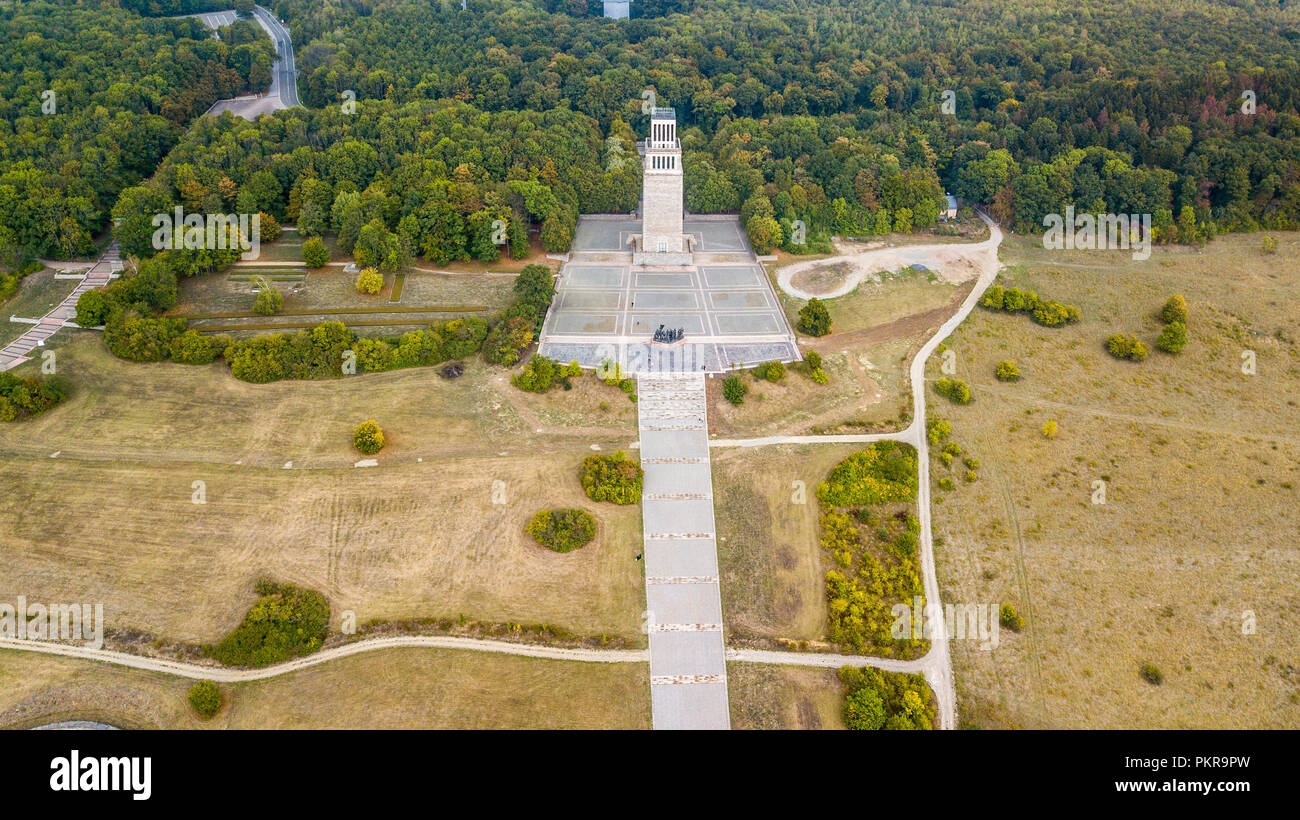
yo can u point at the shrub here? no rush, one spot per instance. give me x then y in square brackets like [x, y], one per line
[369, 281]
[1268, 245]
[92, 308]
[814, 318]
[268, 228]
[970, 477]
[905, 701]
[947, 484]
[1151, 673]
[368, 438]
[1126, 347]
[1054, 314]
[734, 389]
[205, 698]
[885, 471]
[813, 360]
[993, 298]
[1050, 429]
[954, 390]
[1010, 618]
[270, 300]
[193, 348]
[819, 376]
[141, 339]
[952, 448]
[1175, 310]
[540, 374]
[1007, 371]
[507, 341]
[1173, 338]
[286, 622]
[562, 530]
[614, 478]
[314, 252]
[864, 710]
[304, 354]
[937, 429]
[22, 398]
[772, 371]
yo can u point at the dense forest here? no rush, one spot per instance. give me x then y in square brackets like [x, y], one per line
[835, 111]
[854, 116]
[91, 99]
[427, 177]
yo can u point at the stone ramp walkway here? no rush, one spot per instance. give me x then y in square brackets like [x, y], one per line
[688, 666]
[98, 275]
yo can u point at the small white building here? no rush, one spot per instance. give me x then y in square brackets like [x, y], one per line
[950, 207]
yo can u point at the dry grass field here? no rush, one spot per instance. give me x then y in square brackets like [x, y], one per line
[784, 697]
[867, 389]
[772, 569]
[895, 296]
[332, 289]
[1201, 465]
[112, 518]
[396, 688]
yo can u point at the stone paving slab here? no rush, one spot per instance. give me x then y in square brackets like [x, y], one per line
[690, 706]
[669, 559]
[689, 653]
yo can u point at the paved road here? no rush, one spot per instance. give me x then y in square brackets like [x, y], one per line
[688, 665]
[98, 275]
[285, 71]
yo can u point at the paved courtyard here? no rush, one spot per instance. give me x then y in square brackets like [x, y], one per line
[607, 308]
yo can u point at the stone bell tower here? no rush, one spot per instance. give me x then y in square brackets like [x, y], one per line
[661, 227]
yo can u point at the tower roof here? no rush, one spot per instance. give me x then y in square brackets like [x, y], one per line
[663, 114]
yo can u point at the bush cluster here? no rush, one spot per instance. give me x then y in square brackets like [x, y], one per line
[286, 622]
[1007, 371]
[541, 374]
[954, 390]
[1174, 314]
[614, 478]
[22, 398]
[562, 530]
[1126, 347]
[771, 371]
[875, 699]
[885, 471]
[1043, 311]
[516, 329]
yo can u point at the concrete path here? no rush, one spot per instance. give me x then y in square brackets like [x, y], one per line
[688, 665]
[98, 275]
